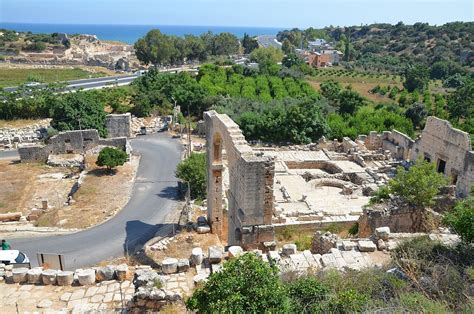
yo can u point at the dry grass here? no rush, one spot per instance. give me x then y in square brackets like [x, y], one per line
[19, 123]
[100, 196]
[183, 244]
[18, 184]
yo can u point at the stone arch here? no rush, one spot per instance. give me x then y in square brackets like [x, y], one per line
[250, 194]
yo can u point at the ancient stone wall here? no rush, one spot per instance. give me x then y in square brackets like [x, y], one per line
[450, 149]
[119, 125]
[250, 194]
[70, 142]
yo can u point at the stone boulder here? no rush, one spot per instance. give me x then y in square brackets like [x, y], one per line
[348, 245]
[169, 265]
[121, 272]
[49, 276]
[322, 243]
[20, 275]
[146, 278]
[235, 251]
[65, 278]
[366, 246]
[381, 245]
[86, 277]
[215, 254]
[289, 249]
[105, 273]
[382, 233]
[203, 229]
[196, 256]
[183, 265]
[34, 275]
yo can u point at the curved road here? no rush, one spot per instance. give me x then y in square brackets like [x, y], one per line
[153, 197]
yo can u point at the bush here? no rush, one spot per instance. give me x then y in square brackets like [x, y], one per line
[461, 219]
[111, 157]
[193, 170]
[244, 285]
[306, 294]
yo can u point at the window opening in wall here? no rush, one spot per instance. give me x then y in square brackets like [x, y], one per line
[441, 165]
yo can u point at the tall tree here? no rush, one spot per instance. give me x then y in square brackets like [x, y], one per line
[249, 44]
[416, 78]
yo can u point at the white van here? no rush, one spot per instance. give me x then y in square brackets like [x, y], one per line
[8, 257]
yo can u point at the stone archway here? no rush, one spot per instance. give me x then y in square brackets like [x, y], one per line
[250, 194]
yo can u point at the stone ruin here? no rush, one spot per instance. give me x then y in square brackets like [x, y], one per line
[11, 137]
[311, 186]
[250, 194]
[70, 142]
[119, 125]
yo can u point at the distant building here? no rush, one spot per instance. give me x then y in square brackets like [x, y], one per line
[324, 58]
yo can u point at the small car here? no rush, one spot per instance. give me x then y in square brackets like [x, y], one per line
[8, 257]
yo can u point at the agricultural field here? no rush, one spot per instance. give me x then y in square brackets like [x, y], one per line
[17, 76]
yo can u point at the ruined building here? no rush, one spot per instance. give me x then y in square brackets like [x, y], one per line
[267, 188]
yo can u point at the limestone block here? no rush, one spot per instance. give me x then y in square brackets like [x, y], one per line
[382, 233]
[169, 265]
[122, 272]
[273, 255]
[366, 246]
[19, 274]
[348, 245]
[34, 275]
[289, 249]
[183, 265]
[49, 276]
[86, 277]
[235, 251]
[381, 245]
[215, 254]
[196, 256]
[65, 278]
[105, 273]
[45, 303]
[203, 229]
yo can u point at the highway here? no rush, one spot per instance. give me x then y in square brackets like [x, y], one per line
[101, 82]
[268, 41]
[153, 198]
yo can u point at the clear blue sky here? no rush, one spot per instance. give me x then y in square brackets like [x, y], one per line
[270, 13]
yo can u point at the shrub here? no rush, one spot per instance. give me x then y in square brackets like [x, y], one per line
[354, 229]
[193, 170]
[244, 285]
[111, 157]
[306, 294]
[461, 219]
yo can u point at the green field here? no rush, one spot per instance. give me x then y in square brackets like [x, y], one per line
[14, 77]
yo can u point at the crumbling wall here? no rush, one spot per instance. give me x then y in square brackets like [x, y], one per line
[119, 125]
[69, 142]
[450, 149]
[250, 194]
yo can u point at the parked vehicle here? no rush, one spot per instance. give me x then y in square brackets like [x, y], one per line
[8, 257]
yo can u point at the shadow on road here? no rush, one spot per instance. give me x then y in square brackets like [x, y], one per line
[169, 192]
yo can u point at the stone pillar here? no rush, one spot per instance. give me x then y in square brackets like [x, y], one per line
[196, 256]
[49, 276]
[65, 278]
[19, 275]
[122, 272]
[86, 277]
[34, 275]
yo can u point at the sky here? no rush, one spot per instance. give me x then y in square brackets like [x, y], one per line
[262, 13]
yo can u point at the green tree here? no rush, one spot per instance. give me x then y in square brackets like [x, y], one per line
[249, 43]
[287, 47]
[193, 170]
[416, 113]
[245, 285]
[461, 219]
[265, 55]
[155, 48]
[419, 185]
[111, 157]
[461, 101]
[416, 78]
[307, 294]
[225, 44]
[292, 59]
[349, 101]
[80, 110]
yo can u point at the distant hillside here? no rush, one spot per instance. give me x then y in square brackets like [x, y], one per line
[386, 47]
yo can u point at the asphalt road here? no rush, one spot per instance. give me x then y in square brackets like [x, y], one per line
[101, 82]
[153, 197]
[268, 41]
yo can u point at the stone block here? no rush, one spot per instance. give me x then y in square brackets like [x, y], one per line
[19, 275]
[382, 233]
[203, 229]
[323, 242]
[65, 278]
[45, 303]
[366, 246]
[273, 255]
[348, 245]
[86, 277]
[381, 245]
[169, 265]
[34, 275]
[49, 276]
[288, 249]
[105, 273]
[215, 254]
[196, 256]
[121, 272]
[235, 251]
[183, 265]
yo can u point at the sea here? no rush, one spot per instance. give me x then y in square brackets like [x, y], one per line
[131, 33]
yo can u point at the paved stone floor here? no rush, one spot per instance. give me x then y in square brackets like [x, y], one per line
[27, 298]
